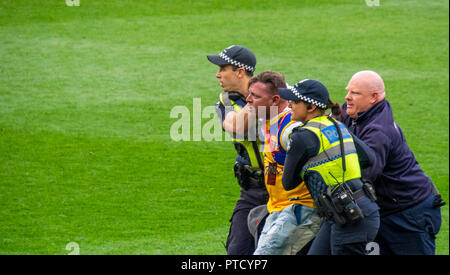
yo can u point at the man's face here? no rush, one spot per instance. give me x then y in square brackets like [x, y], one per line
[358, 98]
[228, 78]
[259, 97]
[299, 110]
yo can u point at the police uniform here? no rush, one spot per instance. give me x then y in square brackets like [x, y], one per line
[315, 156]
[248, 165]
[250, 178]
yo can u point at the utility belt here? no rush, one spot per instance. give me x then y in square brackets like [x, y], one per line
[340, 203]
[248, 176]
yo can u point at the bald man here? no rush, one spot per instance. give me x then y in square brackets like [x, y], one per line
[365, 89]
[410, 211]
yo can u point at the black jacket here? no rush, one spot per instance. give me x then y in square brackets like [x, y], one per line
[397, 177]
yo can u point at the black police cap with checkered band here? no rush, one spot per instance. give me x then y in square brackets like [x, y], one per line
[308, 90]
[235, 55]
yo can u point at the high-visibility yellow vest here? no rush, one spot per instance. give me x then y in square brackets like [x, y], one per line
[250, 146]
[328, 161]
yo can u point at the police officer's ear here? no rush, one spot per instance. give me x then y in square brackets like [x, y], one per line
[241, 72]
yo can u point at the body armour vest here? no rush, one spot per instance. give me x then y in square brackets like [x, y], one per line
[245, 148]
[328, 161]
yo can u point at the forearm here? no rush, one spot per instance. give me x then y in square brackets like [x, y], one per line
[366, 155]
[380, 144]
[291, 174]
[240, 122]
[303, 145]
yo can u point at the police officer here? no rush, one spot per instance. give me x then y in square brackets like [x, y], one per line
[323, 154]
[236, 67]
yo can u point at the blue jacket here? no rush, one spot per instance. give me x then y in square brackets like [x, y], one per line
[397, 177]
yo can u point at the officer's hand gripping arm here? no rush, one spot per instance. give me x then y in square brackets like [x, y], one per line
[240, 122]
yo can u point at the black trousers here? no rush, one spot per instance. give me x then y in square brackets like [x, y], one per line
[240, 241]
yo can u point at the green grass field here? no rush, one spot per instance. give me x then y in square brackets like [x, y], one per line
[86, 94]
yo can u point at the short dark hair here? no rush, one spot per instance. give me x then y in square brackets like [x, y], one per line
[247, 72]
[273, 81]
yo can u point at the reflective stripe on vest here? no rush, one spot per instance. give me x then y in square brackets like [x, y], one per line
[328, 161]
[248, 145]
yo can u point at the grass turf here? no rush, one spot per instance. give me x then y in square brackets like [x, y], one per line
[86, 93]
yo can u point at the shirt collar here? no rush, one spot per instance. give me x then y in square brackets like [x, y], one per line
[276, 118]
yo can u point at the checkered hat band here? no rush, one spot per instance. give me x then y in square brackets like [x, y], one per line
[307, 99]
[236, 63]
